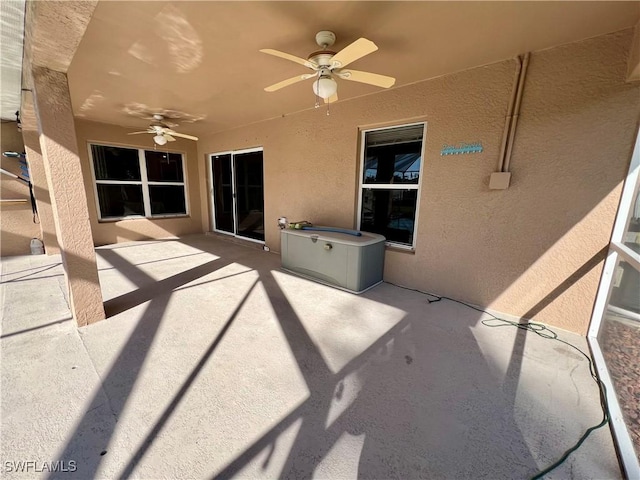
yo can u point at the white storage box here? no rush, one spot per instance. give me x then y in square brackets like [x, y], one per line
[346, 261]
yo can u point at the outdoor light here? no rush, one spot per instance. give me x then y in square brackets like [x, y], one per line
[160, 139]
[325, 87]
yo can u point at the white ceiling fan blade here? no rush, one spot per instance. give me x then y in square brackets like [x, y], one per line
[367, 77]
[332, 99]
[169, 137]
[353, 52]
[137, 133]
[179, 135]
[288, 56]
[288, 81]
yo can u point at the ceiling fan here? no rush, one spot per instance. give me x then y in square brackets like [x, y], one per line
[162, 133]
[327, 65]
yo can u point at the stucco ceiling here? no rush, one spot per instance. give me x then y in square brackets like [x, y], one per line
[202, 58]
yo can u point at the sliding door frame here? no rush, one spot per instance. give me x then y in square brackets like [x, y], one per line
[233, 154]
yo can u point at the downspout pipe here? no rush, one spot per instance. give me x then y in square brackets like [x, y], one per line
[516, 113]
[509, 117]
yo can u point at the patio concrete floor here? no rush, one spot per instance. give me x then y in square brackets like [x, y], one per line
[216, 363]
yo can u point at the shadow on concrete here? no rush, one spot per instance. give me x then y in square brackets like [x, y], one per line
[152, 290]
[155, 261]
[517, 352]
[448, 407]
[31, 276]
[27, 330]
[166, 415]
[28, 270]
[422, 411]
[121, 378]
[420, 401]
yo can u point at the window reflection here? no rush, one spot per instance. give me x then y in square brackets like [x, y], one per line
[390, 213]
[391, 164]
[163, 166]
[115, 163]
[167, 199]
[120, 200]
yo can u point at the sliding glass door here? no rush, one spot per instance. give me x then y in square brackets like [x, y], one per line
[238, 193]
[222, 193]
[249, 190]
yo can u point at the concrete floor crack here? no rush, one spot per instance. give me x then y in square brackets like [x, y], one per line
[101, 380]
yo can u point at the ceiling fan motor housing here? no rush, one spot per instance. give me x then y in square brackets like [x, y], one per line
[322, 58]
[329, 65]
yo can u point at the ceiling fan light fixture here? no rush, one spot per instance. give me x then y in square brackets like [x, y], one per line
[160, 139]
[325, 87]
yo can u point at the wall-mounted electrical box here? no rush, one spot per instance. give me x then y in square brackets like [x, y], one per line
[499, 180]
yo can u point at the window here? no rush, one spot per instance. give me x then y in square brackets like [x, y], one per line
[138, 183]
[390, 182]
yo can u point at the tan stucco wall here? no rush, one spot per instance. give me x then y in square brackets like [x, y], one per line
[16, 220]
[515, 250]
[61, 161]
[138, 229]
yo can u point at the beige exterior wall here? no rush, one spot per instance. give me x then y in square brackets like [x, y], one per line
[521, 251]
[16, 219]
[37, 170]
[108, 232]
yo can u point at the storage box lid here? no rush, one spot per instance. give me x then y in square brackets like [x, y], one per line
[366, 238]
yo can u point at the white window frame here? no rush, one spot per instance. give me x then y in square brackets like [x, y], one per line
[617, 251]
[392, 186]
[144, 182]
[233, 153]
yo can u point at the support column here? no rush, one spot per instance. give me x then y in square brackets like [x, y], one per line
[31, 139]
[68, 197]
